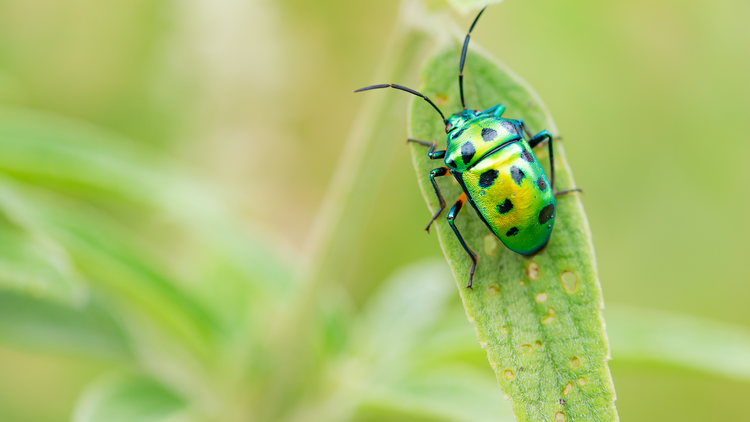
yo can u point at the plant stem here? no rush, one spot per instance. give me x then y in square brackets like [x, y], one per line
[358, 175]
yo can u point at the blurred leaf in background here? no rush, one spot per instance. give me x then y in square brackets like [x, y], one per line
[161, 164]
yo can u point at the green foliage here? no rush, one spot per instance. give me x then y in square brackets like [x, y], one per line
[128, 398]
[30, 260]
[48, 326]
[169, 282]
[653, 337]
[112, 250]
[170, 275]
[538, 316]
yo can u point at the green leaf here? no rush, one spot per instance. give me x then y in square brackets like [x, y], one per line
[544, 336]
[413, 369]
[115, 206]
[117, 264]
[652, 336]
[129, 398]
[48, 326]
[397, 365]
[30, 260]
[454, 393]
[400, 313]
[466, 6]
[139, 186]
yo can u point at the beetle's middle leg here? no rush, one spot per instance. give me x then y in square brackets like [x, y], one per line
[434, 155]
[452, 216]
[536, 140]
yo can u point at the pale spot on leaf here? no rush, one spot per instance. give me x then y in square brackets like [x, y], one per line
[550, 318]
[569, 281]
[532, 271]
[490, 244]
[568, 388]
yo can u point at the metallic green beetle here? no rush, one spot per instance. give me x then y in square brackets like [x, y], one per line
[497, 170]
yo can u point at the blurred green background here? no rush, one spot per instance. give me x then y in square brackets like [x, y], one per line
[652, 99]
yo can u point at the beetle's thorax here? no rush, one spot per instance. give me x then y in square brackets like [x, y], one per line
[473, 135]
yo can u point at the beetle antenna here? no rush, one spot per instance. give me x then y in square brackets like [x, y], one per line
[403, 88]
[463, 58]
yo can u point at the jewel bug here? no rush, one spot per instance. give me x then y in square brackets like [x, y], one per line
[491, 158]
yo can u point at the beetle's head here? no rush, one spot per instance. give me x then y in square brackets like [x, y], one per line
[459, 119]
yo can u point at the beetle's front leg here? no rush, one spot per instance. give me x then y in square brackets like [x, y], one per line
[452, 216]
[434, 155]
[496, 111]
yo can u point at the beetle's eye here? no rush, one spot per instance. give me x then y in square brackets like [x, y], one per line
[448, 127]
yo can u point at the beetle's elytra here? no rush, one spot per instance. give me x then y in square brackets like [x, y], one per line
[492, 159]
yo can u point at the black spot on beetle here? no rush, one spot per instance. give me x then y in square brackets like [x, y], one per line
[488, 178]
[512, 232]
[467, 152]
[488, 134]
[526, 155]
[505, 207]
[517, 174]
[541, 183]
[451, 163]
[457, 134]
[546, 214]
[510, 127]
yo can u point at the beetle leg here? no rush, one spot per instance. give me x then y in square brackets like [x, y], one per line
[567, 191]
[536, 140]
[438, 172]
[526, 130]
[496, 111]
[452, 216]
[434, 155]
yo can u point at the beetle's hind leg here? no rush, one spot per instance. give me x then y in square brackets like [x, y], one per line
[434, 155]
[538, 139]
[452, 216]
[438, 172]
